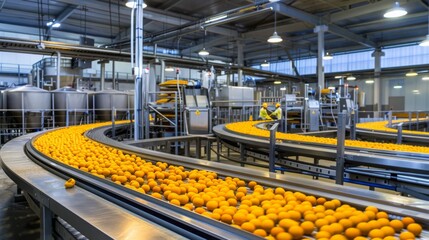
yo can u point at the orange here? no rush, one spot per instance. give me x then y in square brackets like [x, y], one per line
[211, 205]
[336, 202]
[284, 236]
[308, 217]
[247, 226]
[321, 222]
[296, 231]
[382, 215]
[276, 230]
[376, 233]
[336, 228]
[388, 231]
[397, 225]
[372, 209]
[239, 218]
[364, 228]
[308, 227]
[351, 233]
[338, 237]
[199, 210]
[287, 223]
[373, 224]
[383, 222]
[414, 228]
[260, 232]
[360, 238]
[252, 184]
[267, 224]
[323, 234]
[226, 218]
[198, 202]
[407, 220]
[175, 202]
[347, 223]
[295, 215]
[329, 205]
[321, 200]
[406, 236]
[390, 238]
[370, 214]
[216, 216]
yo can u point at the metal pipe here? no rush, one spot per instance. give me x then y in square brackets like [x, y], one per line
[58, 69]
[162, 75]
[113, 75]
[235, 18]
[102, 75]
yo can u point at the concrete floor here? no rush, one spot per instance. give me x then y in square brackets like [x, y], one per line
[17, 220]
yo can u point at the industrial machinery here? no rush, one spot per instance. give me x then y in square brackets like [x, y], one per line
[232, 104]
[110, 104]
[29, 107]
[311, 109]
[69, 106]
[47, 74]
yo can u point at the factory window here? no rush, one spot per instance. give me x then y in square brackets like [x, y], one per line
[405, 56]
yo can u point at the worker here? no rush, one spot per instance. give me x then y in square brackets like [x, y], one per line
[263, 113]
[277, 114]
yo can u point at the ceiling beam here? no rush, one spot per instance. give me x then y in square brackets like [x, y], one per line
[315, 20]
[212, 43]
[60, 18]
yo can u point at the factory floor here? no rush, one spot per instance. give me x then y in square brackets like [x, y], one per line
[18, 221]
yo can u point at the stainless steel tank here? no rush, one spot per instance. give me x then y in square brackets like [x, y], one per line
[29, 106]
[69, 105]
[107, 100]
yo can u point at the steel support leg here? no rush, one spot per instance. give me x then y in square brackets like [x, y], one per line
[341, 136]
[46, 223]
[272, 153]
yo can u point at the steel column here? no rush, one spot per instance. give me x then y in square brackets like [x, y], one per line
[272, 153]
[377, 54]
[341, 137]
[320, 30]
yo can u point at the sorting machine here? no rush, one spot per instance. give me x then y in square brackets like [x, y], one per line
[97, 208]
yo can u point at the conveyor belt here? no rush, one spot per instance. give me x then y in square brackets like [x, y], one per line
[415, 162]
[396, 205]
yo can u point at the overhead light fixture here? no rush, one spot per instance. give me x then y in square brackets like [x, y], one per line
[216, 18]
[53, 24]
[274, 0]
[425, 43]
[203, 52]
[283, 89]
[425, 78]
[169, 69]
[133, 4]
[397, 87]
[369, 81]
[265, 64]
[338, 77]
[328, 56]
[396, 11]
[351, 78]
[416, 91]
[275, 38]
[331, 88]
[411, 73]
[277, 82]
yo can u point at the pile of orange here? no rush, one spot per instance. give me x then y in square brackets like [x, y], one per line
[249, 128]
[382, 126]
[274, 213]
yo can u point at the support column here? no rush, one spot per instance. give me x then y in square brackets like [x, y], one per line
[377, 54]
[320, 30]
[240, 62]
[102, 74]
[138, 69]
[113, 75]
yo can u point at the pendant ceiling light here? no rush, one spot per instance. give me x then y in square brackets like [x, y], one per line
[411, 73]
[425, 78]
[169, 69]
[275, 38]
[133, 4]
[328, 56]
[265, 64]
[425, 43]
[396, 11]
[204, 52]
[351, 78]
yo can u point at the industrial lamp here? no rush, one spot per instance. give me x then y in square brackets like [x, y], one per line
[425, 43]
[53, 24]
[328, 56]
[351, 78]
[275, 38]
[425, 78]
[265, 64]
[203, 52]
[133, 4]
[396, 11]
[411, 73]
[169, 69]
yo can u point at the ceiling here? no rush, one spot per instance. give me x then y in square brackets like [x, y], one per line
[177, 24]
